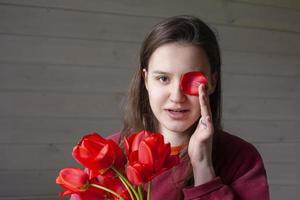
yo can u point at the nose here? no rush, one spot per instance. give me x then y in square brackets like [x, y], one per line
[176, 94]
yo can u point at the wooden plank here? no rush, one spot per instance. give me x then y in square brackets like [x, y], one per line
[279, 152]
[274, 131]
[260, 108]
[291, 4]
[261, 86]
[258, 41]
[283, 174]
[29, 184]
[229, 12]
[67, 51]
[63, 78]
[88, 105]
[263, 16]
[53, 130]
[73, 24]
[36, 156]
[260, 64]
[279, 192]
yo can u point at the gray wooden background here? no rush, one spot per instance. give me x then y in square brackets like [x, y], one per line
[65, 66]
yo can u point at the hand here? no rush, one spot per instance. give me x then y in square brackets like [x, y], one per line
[200, 144]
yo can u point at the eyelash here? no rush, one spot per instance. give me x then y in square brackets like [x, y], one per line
[160, 78]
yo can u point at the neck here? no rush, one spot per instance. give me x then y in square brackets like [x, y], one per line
[175, 138]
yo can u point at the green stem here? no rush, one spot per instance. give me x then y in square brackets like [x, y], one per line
[148, 190]
[127, 183]
[107, 190]
[140, 192]
[127, 187]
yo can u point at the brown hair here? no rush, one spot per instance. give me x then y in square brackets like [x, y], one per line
[183, 29]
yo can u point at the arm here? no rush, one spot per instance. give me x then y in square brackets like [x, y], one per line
[246, 171]
[249, 180]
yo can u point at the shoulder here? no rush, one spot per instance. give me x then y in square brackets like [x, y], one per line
[233, 143]
[115, 136]
[236, 157]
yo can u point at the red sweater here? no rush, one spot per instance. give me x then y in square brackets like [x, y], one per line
[240, 170]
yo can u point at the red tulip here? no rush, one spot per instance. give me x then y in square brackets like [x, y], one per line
[132, 143]
[111, 181]
[73, 180]
[148, 157]
[190, 82]
[98, 154]
[137, 173]
[76, 182]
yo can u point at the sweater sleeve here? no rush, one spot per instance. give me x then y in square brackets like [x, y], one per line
[247, 180]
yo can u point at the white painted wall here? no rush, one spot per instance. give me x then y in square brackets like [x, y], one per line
[66, 64]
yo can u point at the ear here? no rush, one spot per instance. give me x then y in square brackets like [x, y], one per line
[214, 81]
[145, 76]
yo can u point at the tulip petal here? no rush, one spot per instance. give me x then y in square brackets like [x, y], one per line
[127, 146]
[145, 155]
[190, 82]
[137, 140]
[64, 193]
[134, 175]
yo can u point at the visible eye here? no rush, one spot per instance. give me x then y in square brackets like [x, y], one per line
[163, 79]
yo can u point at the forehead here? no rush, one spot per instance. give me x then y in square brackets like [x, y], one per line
[179, 58]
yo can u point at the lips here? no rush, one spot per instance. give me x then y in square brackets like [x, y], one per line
[177, 114]
[171, 110]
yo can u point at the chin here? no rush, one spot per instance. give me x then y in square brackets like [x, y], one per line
[179, 128]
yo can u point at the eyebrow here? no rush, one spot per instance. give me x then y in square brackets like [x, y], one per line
[160, 72]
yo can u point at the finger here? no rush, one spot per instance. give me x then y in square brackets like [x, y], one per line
[204, 101]
[205, 123]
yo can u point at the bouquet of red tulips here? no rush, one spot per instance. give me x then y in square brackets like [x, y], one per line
[112, 174]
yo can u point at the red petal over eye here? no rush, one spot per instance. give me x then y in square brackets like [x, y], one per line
[190, 82]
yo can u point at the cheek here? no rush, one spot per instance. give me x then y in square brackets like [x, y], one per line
[157, 96]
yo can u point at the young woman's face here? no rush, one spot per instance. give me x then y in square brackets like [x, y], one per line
[174, 110]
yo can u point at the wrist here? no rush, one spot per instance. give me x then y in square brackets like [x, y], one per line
[203, 172]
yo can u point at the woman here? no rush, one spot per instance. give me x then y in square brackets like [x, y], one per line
[214, 164]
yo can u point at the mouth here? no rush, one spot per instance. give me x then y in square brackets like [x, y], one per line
[176, 110]
[177, 114]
